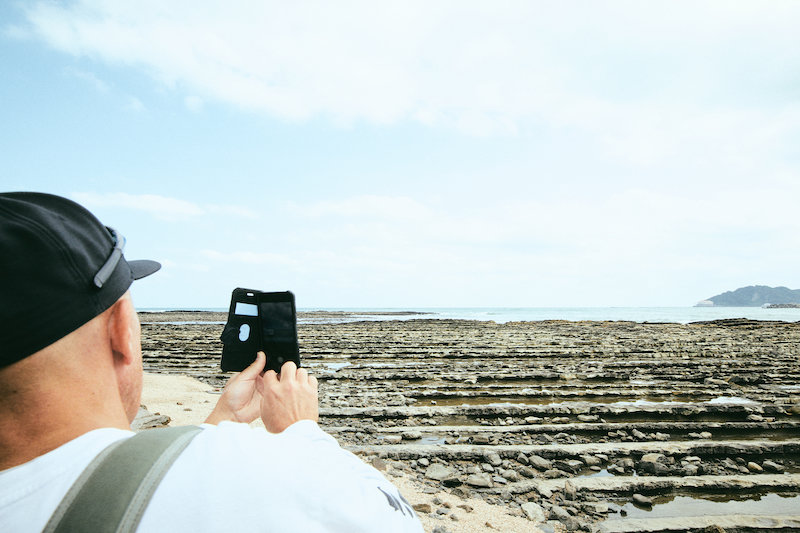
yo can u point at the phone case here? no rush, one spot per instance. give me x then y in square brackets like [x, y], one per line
[259, 320]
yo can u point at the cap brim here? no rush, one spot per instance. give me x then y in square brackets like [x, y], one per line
[143, 267]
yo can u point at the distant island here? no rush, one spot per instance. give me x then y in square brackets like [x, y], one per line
[755, 296]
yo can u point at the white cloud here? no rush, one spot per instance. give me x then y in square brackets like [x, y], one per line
[161, 207]
[656, 141]
[89, 77]
[249, 257]
[370, 206]
[135, 105]
[482, 68]
[615, 245]
[194, 103]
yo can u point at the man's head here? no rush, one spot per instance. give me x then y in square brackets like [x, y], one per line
[60, 267]
[67, 323]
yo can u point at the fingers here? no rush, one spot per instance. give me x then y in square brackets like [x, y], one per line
[270, 378]
[288, 371]
[302, 375]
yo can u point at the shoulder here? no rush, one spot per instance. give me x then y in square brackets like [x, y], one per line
[30, 492]
[300, 479]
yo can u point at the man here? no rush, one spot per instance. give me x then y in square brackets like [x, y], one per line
[71, 381]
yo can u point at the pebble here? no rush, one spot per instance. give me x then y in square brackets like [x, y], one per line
[754, 467]
[423, 462]
[595, 508]
[591, 460]
[479, 480]
[540, 463]
[570, 465]
[440, 472]
[494, 459]
[654, 458]
[422, 507]
[642, 500]
[545, 492]
[570, 492]
[534, 512]
[558, 513]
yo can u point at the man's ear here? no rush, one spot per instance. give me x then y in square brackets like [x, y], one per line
[120, 331]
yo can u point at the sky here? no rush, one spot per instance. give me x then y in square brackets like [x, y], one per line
[418, 154]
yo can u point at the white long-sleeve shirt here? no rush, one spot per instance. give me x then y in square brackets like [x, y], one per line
[231, 477]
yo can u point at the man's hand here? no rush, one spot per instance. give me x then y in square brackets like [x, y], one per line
[241, 399]
[287, 398]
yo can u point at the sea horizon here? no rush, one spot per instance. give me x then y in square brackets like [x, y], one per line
[681, 315]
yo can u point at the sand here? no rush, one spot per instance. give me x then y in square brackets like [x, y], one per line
[189, 401]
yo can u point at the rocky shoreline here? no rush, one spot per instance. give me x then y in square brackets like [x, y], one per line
[568, 424]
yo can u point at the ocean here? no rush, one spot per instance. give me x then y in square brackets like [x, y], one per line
[681, 315]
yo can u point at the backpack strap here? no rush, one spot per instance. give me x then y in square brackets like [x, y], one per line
[113, 491]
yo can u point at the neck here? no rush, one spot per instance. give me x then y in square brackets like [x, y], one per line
[21, 442]
[47, 401]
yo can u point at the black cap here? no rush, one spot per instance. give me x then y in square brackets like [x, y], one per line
[59, 268]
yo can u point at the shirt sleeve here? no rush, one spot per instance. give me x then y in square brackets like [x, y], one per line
[234, 477]
[353, 491]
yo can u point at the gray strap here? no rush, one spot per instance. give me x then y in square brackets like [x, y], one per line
[113, 491]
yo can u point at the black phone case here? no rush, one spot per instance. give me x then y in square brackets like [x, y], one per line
[275, 333]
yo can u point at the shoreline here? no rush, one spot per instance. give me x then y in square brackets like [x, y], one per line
[640, 315]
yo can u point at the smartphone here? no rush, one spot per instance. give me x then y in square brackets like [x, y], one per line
[260, 321]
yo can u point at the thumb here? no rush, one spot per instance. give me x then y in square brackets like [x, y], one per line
[255, 367]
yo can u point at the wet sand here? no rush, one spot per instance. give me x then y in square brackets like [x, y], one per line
[561, 420]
